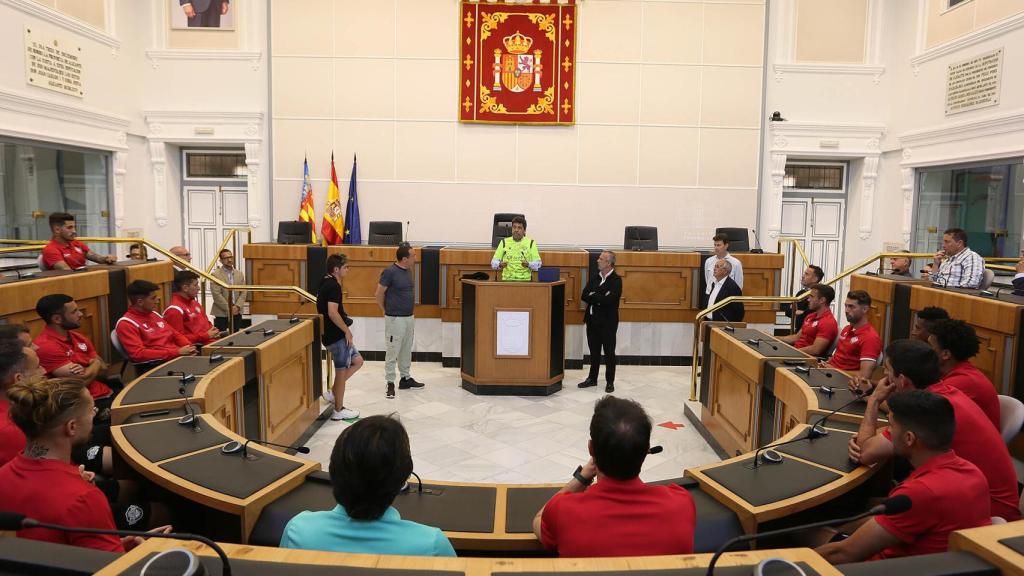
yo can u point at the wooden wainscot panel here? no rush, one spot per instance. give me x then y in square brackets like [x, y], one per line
[734, 401]
[287, 394]
[218, 392]
[276, 265]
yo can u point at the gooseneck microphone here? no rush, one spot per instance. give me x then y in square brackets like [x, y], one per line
[857, 397]
[889, 507]
[294, 319]
[214, 356]
[190, 419]
[185, 377]
[758, 341]
[264, 331]
[235, 447]
[808, 370]
[11, 521]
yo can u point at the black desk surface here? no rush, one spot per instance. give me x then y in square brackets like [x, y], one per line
[941, 564]
[231, 474]
[765, 343]
[827, 450]
[769, 483]
[1016, 544]
[157, 388]
[256, 568]
[450, 508]
[32, 557]
[771, 570]
[158, 441]
[1002, 295]
[253, 336]
[197, 365]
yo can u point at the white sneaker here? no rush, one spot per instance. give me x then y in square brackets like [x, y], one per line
[345, 414]
[329, 396]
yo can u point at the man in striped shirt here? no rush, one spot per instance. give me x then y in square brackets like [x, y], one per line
[956, 265]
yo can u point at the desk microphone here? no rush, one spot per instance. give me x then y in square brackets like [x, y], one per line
[757, 342]
[826, 390]
[889, 507]
[185, 378]
[294, 319]
[190, 419]
[419, 485]
[264, 331]
[757, 244]
[857, 397]
[11, 521]
[773, 457]
[235, 447]
[214, 357]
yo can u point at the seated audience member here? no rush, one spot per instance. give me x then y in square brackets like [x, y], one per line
[900, 265]
[16, 366]
[42, 482]
[63, 351]
[812, 275]
[230, 275]
[1018, 278]
[185, 314]
[820, 328]
[17, 332]
[723, 286]
[947, 492]
[955, 343]
[136, 252]
[370, 464]
[859, 346]
[924, 320]
[956, 265]
[181, 252]
[64, 252]
[143, 333]
[911, 364]
[619, 515]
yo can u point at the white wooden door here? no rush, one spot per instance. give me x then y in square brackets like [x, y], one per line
[819, 224]
[209, 212]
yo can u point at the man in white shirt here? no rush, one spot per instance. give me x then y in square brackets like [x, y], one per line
[722, 253]
[956, 265]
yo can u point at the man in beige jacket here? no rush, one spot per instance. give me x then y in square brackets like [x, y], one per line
[227, 272]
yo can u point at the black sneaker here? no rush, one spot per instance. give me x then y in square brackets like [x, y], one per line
[586, 383]
[391, 390]
[609, 388]
[407, 383]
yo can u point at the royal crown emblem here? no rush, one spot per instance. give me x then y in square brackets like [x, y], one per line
[517, 71]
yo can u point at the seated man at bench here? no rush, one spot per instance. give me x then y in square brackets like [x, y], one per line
[144, 334]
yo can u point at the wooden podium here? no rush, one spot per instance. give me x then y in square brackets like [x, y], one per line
[513, 337]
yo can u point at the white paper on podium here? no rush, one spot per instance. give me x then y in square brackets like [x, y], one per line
[513, 338]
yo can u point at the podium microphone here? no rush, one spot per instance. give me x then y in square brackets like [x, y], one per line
[234, 447]
[889, 507]
[11, 521]
[294, 319]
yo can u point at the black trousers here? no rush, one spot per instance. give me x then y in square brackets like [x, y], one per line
[208, 19]
[221, 322]
[601, 336]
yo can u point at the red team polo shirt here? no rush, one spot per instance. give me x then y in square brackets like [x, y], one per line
[73, 254]
[948, 493]
[12, 439]
[854, 346]
[146, 336]
[620, 518]
[973, 382]
[976, 441]
[821, 324]
[55, 352]
[189, 319]
[52, 491]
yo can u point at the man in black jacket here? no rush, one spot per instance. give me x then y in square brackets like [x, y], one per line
[723, 287]
[1018, 279]
[602, 296]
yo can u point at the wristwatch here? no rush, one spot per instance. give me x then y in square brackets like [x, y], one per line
[578, 475]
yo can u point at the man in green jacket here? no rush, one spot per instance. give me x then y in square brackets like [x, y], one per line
[517, 256]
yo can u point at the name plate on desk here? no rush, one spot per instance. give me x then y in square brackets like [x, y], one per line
[158, 441]
[231, 474]
[769, 483]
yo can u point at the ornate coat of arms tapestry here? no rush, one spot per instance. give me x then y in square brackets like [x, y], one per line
[518, 63]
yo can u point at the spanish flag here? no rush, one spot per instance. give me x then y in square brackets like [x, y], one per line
[307, 212]
[333, 227]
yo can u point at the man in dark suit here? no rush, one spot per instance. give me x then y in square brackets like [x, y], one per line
[204, 13]
[723, 287]
[602, 296]
[1018, 279]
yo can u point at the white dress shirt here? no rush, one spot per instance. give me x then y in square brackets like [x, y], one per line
[709, 271]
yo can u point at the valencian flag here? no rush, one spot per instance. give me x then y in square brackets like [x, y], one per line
[306, 211]
[352, 234]
[334, 221]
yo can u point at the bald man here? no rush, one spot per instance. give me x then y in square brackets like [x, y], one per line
[181, 252]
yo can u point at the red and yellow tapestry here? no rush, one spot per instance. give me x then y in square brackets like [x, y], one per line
[518, 63]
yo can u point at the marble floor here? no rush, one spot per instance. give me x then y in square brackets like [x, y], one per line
[460, 437]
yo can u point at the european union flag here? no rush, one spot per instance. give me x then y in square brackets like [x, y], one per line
[352, 233]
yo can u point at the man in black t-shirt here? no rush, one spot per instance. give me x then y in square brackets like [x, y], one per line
[396, 295]
[337, 337]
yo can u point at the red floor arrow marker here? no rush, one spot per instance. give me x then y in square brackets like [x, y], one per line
[672, 425]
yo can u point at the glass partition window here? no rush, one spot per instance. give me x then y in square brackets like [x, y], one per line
[36, 180]
[986, 201]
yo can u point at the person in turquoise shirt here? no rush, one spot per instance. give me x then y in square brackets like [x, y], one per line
[370, 465]
[517, 257]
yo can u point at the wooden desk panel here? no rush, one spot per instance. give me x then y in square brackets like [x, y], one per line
[882, 291]
[276, 265]
[984, 543]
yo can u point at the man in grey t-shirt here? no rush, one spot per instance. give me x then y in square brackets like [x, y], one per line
[396, 298]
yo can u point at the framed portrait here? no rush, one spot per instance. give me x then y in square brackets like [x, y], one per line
[202, 14]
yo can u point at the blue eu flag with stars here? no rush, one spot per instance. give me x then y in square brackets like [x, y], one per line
[352, 233]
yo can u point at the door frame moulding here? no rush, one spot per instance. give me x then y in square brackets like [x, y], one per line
[804, 141]
[204, 128]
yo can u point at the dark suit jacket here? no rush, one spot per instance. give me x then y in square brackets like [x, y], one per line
[733, 312]
[603, 299]
[1018, 283]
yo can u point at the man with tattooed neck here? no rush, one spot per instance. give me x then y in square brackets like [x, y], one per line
[41, 482]
[17, 364]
